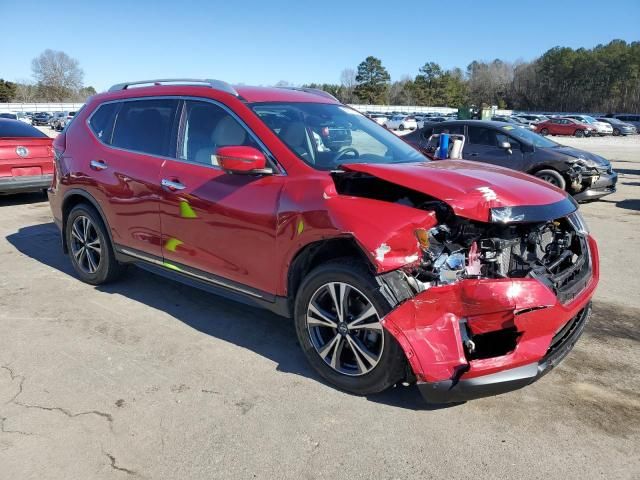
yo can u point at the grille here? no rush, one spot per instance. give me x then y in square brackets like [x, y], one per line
[570, 282]
[567, 332]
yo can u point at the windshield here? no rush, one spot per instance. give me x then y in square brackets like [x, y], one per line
[588, 119]
[527, 136]
[328, 135]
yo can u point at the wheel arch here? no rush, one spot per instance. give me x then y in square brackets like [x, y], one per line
[315, 253]
[76, 197]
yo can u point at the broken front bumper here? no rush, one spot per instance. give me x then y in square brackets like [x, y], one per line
[432, 327]
[507, 380]
[604, 185]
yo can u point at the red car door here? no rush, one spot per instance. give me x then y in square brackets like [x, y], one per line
[218, 223]
[125, 160]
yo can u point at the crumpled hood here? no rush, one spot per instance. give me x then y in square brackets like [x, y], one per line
[592, 159]
[471, 189]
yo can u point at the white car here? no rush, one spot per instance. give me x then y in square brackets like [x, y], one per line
[531, 119]
[379, 119]
[602, 128]
[23, 117]
[401, 122]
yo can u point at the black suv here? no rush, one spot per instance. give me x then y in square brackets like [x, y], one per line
[41, 118]
[583, 174]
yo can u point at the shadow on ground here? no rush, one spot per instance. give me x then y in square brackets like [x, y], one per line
[21, 199]
[627, 171]
[261, 331]
[627, 204]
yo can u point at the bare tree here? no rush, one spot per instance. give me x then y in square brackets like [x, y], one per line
[26, 92]
[283, 83]
[58, 75]
[348, 83]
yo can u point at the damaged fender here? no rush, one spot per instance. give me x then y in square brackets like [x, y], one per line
[388, 248]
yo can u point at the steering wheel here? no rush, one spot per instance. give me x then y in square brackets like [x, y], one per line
[346, 151]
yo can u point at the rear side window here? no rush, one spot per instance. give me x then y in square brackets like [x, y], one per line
[457, 129]
[102, 121]
[482, 136]
[16, 128]
[146, 126]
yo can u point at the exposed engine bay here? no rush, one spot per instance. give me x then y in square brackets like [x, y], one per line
[458, 248]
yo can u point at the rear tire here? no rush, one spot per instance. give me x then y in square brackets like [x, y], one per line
[401, 127]
[553, 177]
[89, 246]
[616, 132]
[361, 361]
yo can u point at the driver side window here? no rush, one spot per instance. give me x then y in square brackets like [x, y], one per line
[501, 137]
[208, 127]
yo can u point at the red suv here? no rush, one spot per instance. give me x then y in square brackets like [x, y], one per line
[469, 279]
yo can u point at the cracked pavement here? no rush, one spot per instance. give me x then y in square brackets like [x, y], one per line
[146, 378]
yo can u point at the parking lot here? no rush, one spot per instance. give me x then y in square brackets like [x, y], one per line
[147, 378]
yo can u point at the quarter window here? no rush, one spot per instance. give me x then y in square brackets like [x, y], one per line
[102, 121]
[207, 128]
[145, 126]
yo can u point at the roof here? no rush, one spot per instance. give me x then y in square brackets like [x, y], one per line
[485, 123]
[196, 87]
[277, 94]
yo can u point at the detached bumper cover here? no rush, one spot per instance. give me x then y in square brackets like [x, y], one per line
[605, 185]
[449, 391]
[25, 183]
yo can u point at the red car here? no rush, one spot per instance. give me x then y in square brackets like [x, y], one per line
[26, 158]
[469, 279]
[564, 126]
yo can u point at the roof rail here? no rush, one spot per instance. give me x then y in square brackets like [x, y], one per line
[217, 84]
[315, 91]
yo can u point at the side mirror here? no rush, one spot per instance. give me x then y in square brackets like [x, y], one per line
[242, 160]
[506, 146]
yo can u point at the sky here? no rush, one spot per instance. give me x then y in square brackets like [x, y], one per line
[263, 42]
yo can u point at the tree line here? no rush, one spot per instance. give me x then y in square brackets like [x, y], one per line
[605, 78]
[57, 78]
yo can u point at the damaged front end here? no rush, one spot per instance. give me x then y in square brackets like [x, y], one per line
[489, 306]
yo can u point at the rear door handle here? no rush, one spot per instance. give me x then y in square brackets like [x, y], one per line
[98, 165]
[172, 185]
[474, 154]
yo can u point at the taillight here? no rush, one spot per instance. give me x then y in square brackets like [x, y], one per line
[59, 145]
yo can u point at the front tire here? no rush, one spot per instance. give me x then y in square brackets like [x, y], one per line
[544, 132]
[578, 134]
[89, 246]
[401, 127]
[338, 309]
[553, 177]
[616, 132]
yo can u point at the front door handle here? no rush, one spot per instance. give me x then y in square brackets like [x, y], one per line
[474, 154]
[172, 185]
[98, 165]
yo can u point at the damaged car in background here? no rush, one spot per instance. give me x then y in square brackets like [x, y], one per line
[584, 175]
[466, 279]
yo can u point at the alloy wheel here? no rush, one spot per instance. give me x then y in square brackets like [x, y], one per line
[550, 179]
[344, 328]
[85, 244]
